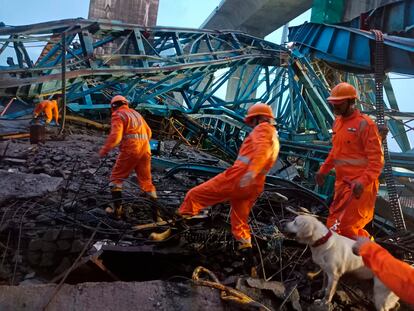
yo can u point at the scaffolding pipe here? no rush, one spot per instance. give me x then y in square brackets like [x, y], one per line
[62, 127]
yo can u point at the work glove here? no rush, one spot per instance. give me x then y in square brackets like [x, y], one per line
[357, 188]
[246, 180]
[320, 179]
[359, 242]
[102, 153]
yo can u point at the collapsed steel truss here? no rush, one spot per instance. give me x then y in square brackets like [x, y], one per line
[164, 69]
[188, 70]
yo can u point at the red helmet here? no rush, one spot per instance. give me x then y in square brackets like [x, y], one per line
[118, 99]
[342, 91]
[259, 109]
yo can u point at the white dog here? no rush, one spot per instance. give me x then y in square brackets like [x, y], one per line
[333, 253]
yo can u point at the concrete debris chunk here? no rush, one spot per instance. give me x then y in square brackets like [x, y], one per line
[51, 235]
[115, 296]
[276, 287]
[15, 185]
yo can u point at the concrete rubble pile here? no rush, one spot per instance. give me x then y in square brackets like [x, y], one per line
[53, 221]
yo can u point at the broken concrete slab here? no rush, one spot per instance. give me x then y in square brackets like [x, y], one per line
[115, 296]
[15, 185]
[276, 287]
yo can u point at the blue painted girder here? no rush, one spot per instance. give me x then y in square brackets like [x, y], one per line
[153, 63]
[352, 49]
[168, 69]
[229, 134]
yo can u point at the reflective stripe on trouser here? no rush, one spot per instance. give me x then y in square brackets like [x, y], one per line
[221, 188]
[355, 215]
[141, 163]
[247, 161]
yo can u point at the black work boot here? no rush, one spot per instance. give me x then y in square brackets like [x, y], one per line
[117, 203]
[245, 250]
[156, 215]
[177, 225]
[181, 220]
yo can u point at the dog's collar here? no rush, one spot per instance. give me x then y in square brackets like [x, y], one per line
[323, 239]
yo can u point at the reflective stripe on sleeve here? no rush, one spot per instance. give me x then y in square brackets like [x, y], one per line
[243, 159]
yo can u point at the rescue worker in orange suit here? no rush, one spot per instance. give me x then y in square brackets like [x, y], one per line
[242, 183]
[129, 129]
[358, 159]
[50, 110]
[397, 275]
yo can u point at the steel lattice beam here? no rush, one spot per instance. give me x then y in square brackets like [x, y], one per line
[165, 69]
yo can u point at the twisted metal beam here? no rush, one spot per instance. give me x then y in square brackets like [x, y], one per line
[163, 69]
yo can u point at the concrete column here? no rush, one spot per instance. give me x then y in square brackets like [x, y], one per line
[355, 8]
[245, 79]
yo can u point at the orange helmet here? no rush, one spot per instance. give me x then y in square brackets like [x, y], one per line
[343, 91]
[117, 101]
[259, 109]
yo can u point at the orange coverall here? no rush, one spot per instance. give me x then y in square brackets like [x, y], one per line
[49, 108]
[257, 154]
[356, 154]
[397, 275]
[129, 128]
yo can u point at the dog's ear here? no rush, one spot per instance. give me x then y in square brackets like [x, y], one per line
[305, 229]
